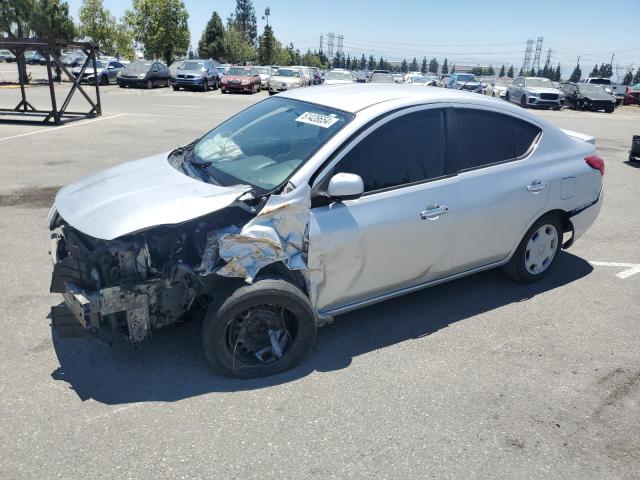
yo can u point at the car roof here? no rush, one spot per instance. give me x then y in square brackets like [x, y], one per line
[357, 97]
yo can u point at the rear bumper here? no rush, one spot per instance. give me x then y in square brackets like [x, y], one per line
[583, 220]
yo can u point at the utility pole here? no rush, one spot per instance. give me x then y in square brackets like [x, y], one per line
[330, 37]
[321, 44]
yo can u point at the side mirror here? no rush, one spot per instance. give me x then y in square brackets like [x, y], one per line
[345, 186]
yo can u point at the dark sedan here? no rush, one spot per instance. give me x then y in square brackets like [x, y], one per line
[588, 96]
[144, 73]
[241, 79]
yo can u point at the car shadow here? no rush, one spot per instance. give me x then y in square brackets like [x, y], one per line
[632, 163]
[172, 366]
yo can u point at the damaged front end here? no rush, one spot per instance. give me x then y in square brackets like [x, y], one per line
[135, 283]
[144, 281]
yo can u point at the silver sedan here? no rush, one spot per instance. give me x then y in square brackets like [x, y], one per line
[314, 203]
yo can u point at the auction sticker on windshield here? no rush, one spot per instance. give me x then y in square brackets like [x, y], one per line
[318, 119]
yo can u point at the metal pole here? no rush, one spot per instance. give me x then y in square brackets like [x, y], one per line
[54, 107]
[95, 76]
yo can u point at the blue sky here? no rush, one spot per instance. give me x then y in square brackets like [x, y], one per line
[467, 32]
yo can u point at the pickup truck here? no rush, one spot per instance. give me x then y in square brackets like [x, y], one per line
[618, 91]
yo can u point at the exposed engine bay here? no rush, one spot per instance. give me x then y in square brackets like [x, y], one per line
[141, 281]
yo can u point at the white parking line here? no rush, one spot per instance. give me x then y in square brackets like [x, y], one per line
[55, 129]
[630, 268]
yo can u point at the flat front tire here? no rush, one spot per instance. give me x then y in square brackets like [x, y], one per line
[258, 329]
[537, 251]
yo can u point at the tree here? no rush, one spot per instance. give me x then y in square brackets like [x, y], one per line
[237, 50]
[211, 45]
[244, 20]
[628, 78]
[606, 70]
[510, 71]
[433, 66]
[423, 68]
[363, 62]
[97, 23]
[404, 66]
[445, 66]
[267, 46]
[521, 72]
[267, 14]
[348, 62]
[502, 71]
[636, 77]
[371, 64]
[595, 72]
[556, 76]
[381, 64]
[576, 74]
[161, 26]
[413, 66]
[490, 71]
[50, 19]
[15, 16]
[123, 39]
[453, 70]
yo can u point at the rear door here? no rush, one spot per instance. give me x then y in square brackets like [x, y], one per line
[502, 185]
[399, 233]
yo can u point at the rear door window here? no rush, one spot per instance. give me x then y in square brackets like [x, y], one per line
[405, 150]
[486, 138]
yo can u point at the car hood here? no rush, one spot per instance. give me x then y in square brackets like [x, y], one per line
[88, 70]
[138, 195]
[264, 76]
[197, 73]
[235, 78]
[598, 96]
[337, 82]
[543, 90]
[286, 79]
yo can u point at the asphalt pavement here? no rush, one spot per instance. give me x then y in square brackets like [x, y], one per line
[477, 378]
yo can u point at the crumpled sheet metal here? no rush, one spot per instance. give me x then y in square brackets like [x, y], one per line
[276, 234]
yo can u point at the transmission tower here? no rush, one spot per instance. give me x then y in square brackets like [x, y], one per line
[536, 58]
[340, 42]
[330, 37]
[321, 43]
[548, 63]
[526, 65]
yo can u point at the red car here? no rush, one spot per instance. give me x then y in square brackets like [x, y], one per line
[632, 96]
[240, 79]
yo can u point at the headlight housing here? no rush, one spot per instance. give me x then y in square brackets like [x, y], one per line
[142, 75]
[119, 74]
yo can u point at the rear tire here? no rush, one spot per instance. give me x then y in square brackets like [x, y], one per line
[537, 251]
[176, 88]
[104, 80]
[205, 85]
[506, 97]
[235, 330]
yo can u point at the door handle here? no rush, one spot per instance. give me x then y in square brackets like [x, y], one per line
[537, 186]
[434, 213]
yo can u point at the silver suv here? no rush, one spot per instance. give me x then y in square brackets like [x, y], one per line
[534, 92]
[314, 203]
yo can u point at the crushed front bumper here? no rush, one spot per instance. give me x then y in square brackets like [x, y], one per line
[91, 308]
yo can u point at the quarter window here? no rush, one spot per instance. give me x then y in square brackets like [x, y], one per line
[405, 150]
[486, 138]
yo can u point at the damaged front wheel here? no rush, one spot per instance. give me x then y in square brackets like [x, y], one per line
[259, 330]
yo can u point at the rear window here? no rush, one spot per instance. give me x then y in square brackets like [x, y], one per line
[486, 138]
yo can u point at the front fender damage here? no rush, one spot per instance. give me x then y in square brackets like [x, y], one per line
[277, 234]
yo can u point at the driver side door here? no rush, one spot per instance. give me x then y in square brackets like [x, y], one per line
[397, 234]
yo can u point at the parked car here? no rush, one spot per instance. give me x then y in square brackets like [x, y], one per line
[534, 92]
[197, 74]
[587, 96]
[305, 74]
[634, 153]
[379, 77]
[338, 76]
[173, 68]
[397, 77]
[632, 95]
[465, 81]
[361, 76]
[144, 73]
[34, 58]
[265, 75]
[610, 87]
[316, 76]
[241, 79]
[423, 81]
[285, 79]
[445, 79]
[7, 56]
[303, 195]
[106, 72]
[498, 87]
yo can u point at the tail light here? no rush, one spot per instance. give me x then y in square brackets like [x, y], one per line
[596, 162]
